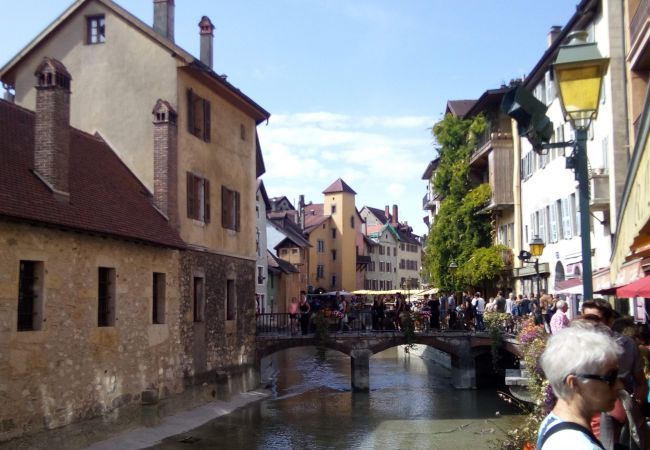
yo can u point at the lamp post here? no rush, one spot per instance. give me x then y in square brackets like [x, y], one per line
[579, 70]
[536, 249]
[452, 267]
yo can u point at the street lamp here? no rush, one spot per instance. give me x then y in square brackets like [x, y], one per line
[536, 249]
[579, 70]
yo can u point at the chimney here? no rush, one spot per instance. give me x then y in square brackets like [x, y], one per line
[205, 30]
[9, 95]
[395, 216]
[301, 209]
[165, 162]
[553, 34]
[387, 213]
[52, 126]
[163, 18]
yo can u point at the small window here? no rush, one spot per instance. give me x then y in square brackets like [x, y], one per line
[242, 132]
[333, 255]
[333, 207]
[320, 271]
[198, 298]
[198, 116]
[260, 275]
[95, 30]
[231, 311]
[333, 280]
[105, 297]
[333, 233]
[158, 300]
[30, 296]
[321, 246]
[351, 221]
[230, 215]
[198, 198]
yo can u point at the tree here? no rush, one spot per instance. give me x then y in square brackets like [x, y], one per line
[459, 233]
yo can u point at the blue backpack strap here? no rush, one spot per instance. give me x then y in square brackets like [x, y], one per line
[569, 426]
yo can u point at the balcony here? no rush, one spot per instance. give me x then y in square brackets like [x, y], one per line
[508, 259]
[599, 186]
[639, 20]
[639, 53]
[430, 201]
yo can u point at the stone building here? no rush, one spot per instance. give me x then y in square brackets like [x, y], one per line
[90, 286]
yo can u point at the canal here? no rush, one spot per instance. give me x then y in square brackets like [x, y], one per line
[411, 405]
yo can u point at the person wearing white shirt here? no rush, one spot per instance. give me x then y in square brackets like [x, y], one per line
[478, 303]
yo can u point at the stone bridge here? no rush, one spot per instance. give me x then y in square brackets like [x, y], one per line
[462, 346]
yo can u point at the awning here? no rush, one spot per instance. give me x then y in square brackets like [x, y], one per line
[572, 286]
[639, 288]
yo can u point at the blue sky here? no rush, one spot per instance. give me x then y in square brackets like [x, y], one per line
[353, 86]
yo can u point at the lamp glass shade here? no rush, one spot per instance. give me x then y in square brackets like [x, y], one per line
[537, 247]
[579, 70]
[453, 266]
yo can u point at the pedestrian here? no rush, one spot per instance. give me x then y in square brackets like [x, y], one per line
[305, 309]
[510, 303]
[559, 319]
[434, 308]
[293, 315]
[501, 302]
[479, 305]
[451, 311]
[443, 311]
[584, 386]
[524, 305]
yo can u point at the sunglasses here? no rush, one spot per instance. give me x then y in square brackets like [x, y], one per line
[610, 378]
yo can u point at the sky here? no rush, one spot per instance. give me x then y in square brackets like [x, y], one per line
[353, 86]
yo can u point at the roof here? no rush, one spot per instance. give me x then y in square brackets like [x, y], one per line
[7, 76]
[290, 229]
[280, 265]
[105, 196]
[276, 200]
[459, 108]
[339, 186]
[489, 100]
[314, 209]
[312, 222]
[431, 167]
[260, 168]
[380, 214]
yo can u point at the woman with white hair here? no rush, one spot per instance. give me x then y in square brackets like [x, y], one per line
[581, 365]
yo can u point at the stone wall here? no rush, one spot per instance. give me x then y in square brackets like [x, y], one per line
[71, 369]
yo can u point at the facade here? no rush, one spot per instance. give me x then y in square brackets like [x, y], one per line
[549, 199]
[262, 207]
[382, 270]
[200, 159]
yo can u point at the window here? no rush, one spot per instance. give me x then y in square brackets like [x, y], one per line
[198, 198]
[320, 271]
[257, 242]
[106, 297]
[575, 214]
[158, 298]
[321, 246]
[95, 30]
[382, 266]
[395, 251]
[567, 227]
[333, 233]
[333, 255]
[552, 215]
[260, 275]
[30, 296]
[351, 221]
[198, 116]
[334, 280]
[198, 296]
[381, 249]
[242, 131]
[230, 218]
[333, 209]
[231, 310]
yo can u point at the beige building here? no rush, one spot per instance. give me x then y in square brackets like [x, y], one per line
[198, 161]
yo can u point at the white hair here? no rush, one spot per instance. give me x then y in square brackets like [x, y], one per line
[575, 350]
[560, 304]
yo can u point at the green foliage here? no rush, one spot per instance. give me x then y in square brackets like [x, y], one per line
[494, 323]
[408, 329]
[486, 263]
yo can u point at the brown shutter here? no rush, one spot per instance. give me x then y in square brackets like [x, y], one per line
[224, 207]
[190, 111]
[206, 121]
[236, 195]
[190, 195]
[206, 200]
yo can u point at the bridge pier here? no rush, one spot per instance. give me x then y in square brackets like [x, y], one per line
[360, 367]
[463, 370]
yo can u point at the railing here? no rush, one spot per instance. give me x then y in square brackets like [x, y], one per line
[640, 16]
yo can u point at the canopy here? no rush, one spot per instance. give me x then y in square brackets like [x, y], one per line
[429, 292]
[638, 288]
[577, 289]
[341, 293]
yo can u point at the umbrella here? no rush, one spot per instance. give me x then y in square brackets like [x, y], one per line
[638, 288]
[341, 293]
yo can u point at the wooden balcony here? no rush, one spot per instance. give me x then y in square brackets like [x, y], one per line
[599, 186]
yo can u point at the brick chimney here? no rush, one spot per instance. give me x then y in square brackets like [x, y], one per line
[52, 126]
[165, 161]
[395, 216]
[552, 35]
[387, 212]
[207, 37]
[163, 18]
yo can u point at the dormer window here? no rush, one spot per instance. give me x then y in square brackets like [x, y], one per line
[95, 30]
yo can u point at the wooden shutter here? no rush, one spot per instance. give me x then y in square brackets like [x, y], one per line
[206, 120]
[224, 207]
[190, 111]
[190, 195]
[206, 200]
[236, 195]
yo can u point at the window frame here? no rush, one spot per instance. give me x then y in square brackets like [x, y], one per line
[198, 197]
[230, 209]
[198, 116]
[29, 313]
[95, 29]
[158, 298]
[106, 301]
[198, 299]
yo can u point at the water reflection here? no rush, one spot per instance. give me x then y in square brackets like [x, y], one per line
[411, 405]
